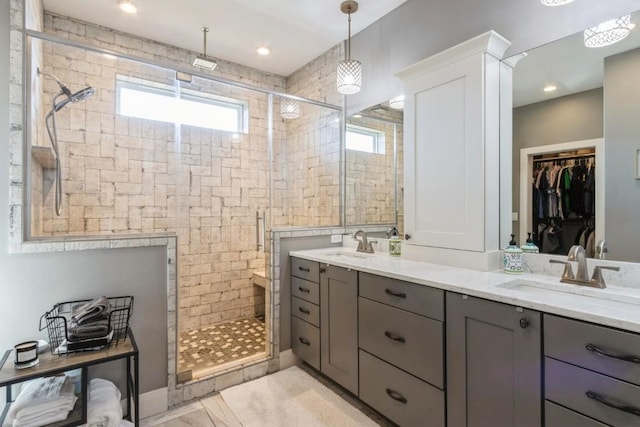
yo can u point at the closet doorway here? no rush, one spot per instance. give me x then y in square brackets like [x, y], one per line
[533, 214]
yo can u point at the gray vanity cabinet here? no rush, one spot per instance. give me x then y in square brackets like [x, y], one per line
[305, 299]
[339, 325]
[493, 364]
[592, 371]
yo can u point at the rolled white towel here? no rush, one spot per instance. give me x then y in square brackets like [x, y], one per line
[103, 406]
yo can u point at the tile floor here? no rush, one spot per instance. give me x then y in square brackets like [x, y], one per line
[212, 411]
[221, 344]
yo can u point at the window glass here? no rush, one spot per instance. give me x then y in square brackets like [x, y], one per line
[361, 138]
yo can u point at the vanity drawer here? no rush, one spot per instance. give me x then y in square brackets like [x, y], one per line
[567, 340]
[412, 343]
[308, 291]
[306, 311]
[401, 397]
[305, 342]
[417, 299]
[568, 385]
[557, 416]
[305, 269]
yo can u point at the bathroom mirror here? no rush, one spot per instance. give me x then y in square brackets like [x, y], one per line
[596, 96]
[374, 167]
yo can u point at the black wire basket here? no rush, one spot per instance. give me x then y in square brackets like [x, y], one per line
[57, 321]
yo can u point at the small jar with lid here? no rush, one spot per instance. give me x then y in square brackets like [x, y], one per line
[395, 244]
[512, 257]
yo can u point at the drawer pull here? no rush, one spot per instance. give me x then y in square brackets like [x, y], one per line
[394, 337]
[304, 341]
[306, 270]
[305, 290]
[395, 294]
[626, 358]
[304, 310]
[624, 408]
[396, 396]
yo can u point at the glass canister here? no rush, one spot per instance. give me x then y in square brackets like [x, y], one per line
[512, 257]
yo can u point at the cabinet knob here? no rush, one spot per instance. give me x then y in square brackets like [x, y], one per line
[407, 236]
[524, 323]
[323, 270]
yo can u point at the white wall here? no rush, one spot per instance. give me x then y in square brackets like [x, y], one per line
[418, 29]
[31, 283]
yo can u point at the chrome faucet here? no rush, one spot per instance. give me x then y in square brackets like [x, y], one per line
[364, 245]
[578, 254]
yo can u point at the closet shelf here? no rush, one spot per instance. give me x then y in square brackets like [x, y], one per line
[44, 156]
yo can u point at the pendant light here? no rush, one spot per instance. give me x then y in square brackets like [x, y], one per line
[349, 70]
[203, 61]
[290, 109]
[397, 103]
[608, 32]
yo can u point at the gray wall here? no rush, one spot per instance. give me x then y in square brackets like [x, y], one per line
[31, 283]
[418, 29]
[568, 118]
[286, 245]
[622, 139]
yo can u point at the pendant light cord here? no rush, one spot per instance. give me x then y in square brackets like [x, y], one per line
[349, 39]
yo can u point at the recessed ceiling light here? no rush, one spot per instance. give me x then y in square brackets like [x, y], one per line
[550, 88]
[263, 50]
[127, 6]
[357, 116]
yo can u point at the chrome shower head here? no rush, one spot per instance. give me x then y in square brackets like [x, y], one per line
[78, 96]
[202, 61]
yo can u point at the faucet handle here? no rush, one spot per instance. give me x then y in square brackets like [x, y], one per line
[597, 278]
[568, 271]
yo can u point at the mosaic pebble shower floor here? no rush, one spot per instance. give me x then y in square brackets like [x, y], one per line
[223, 343]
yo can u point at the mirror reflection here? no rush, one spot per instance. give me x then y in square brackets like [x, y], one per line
[576, 145]
[374, 167]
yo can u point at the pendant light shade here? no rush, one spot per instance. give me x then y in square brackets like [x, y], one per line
[397, 103]
[349, 78]
[290, 109]
[608, 32]
[555, 2]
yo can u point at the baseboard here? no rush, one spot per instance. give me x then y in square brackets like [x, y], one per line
[154, 402]
[287, 359]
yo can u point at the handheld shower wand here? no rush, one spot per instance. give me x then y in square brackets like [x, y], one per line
[52, 130]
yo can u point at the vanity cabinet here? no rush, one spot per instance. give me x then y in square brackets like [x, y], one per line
[401, 341]
[305, 310]
[493, 364]
[452, 117]
[592, 371]
[339, 325]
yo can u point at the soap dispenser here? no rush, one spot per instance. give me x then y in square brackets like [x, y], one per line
[529, 247]
[395, 244]
[512, 257]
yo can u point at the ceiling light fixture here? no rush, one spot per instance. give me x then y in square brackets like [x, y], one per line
[550, 88]
[263, 50]
[203, 61]
[555, 2]
[290, 109]
[397, 103]
[127, 6]
[349, 70]
[608, 32]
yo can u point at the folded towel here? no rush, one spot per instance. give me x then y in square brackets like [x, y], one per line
[97, 309]
[97, 329]
[103, 406]
[43, 401]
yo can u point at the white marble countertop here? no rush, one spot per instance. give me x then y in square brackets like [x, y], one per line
[618, 307]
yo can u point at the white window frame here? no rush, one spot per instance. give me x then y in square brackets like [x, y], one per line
[377, 137]
[240, 107]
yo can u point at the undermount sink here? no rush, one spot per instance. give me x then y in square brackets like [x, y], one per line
[627, 296]
[348, 255]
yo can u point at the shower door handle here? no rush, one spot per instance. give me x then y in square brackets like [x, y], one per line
[260, 222]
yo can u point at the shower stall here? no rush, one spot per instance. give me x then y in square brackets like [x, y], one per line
[211, 161]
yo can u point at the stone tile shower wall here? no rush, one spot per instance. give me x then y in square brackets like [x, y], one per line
[126, 176]
[371, 178]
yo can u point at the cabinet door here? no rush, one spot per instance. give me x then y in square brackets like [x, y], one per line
[339, 326]
[494, 364]
[444, 154]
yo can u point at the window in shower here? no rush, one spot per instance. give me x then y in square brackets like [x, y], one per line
[149, 100]
[365, 139]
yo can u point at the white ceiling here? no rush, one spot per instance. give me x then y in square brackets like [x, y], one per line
[296, 31]
[567, 64]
